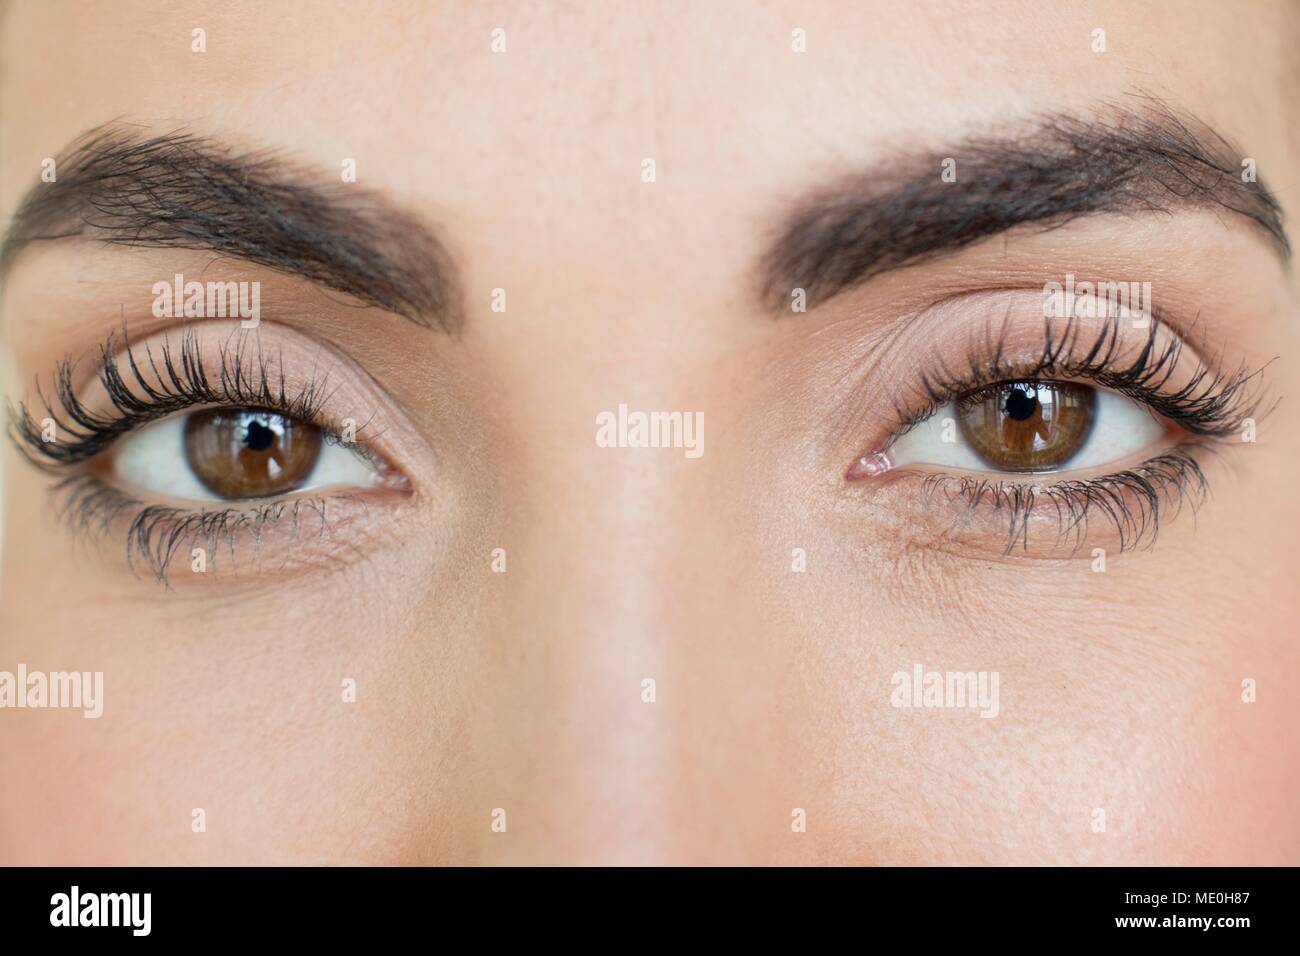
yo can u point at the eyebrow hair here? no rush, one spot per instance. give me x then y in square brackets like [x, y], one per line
[185, 191]
[1145, 159]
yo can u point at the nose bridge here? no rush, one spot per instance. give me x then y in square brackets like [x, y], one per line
[648, 728]
[606, 664]
[588, 635]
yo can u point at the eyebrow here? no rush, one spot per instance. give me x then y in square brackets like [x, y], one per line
[1148, 159]
[185, 191]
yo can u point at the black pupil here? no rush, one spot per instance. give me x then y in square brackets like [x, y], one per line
[1021, 403]
[258, 437]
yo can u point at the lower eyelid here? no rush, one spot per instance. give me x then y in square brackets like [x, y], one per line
[1039, 517]
[255, 542]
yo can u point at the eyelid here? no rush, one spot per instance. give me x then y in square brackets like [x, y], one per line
[968, 342]
[139, 383]
[307, 529]
[1004, 336]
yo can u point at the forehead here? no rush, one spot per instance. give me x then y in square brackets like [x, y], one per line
[551, 120]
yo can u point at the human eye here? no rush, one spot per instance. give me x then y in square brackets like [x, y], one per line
[184, 444]
[235, 454]
[1030, 426]
[1096, 437]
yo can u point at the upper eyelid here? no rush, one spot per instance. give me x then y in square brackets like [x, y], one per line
[1209, 402]
[167, 380]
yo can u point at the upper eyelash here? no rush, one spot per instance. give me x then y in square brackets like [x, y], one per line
[180, 380]
[1211, 404]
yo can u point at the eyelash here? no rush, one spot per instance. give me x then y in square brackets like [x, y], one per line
[180, 381]
[157, 532]
[1132, 500]
[179, 384]
[1210, 406]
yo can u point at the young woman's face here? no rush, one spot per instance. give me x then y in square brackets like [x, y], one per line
[946, 560]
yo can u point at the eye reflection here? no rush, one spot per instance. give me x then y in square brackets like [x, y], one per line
[240, 454]
[1027, 426]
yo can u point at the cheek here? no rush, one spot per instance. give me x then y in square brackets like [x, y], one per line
[1120, 737]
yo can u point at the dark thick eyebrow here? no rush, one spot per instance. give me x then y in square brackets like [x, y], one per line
[1139, 159]
[185, 191]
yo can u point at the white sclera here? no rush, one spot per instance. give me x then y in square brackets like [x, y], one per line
[1121, 427]
[152, 460]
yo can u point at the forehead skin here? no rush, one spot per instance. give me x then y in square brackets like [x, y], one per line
[499, 144]
[621, 291]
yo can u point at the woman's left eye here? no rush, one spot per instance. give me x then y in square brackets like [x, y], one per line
[234, 454]
[1028, 427]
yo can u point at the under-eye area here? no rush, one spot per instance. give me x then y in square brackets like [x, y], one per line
[209, 450]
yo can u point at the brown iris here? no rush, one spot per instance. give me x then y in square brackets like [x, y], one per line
[248, 453]
[1027, 426]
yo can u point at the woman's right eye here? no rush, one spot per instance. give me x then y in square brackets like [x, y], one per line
[233, 454]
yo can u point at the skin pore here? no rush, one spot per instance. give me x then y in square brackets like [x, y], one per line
[479, 690]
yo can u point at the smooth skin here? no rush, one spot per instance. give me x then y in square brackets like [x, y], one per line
[523, 691]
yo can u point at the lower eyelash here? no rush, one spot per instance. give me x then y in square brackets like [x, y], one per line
[157, 534]
[1133, 501]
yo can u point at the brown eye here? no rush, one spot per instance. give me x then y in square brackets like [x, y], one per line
[1027, 426]
[246, 453]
